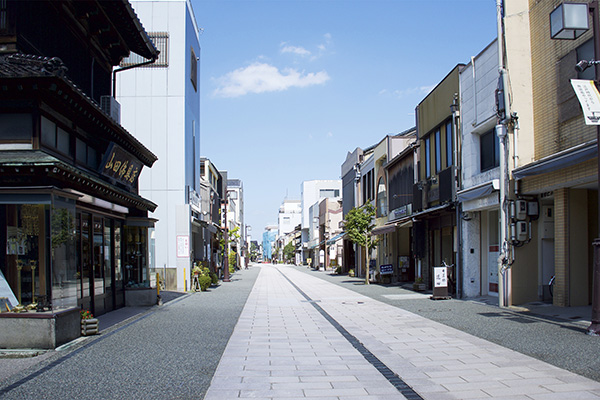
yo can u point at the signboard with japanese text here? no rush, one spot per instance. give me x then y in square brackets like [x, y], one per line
[440, 277]
[386, 269]
[589, 98]
[183, 246]
[121, 166]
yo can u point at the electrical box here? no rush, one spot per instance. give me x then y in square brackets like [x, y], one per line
[521, 209]
[533, 209]
[522, 231]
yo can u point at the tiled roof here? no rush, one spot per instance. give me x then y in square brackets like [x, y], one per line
[22, 66]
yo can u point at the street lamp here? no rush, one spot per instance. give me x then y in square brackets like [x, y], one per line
[569, 21]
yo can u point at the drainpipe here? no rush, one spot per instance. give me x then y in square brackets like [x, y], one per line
[114, 87]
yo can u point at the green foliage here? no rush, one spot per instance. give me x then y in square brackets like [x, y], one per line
[351, 272]
[289, 252]
[205, 282]
[214, 278]
[232, 262]
[358, 226]
[338, 270]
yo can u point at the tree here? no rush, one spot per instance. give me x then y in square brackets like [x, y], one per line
[289, 252]
[358, 226]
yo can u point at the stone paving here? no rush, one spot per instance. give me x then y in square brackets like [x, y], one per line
[283, 347]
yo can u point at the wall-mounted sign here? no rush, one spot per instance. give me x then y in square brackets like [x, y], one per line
[183, 246]
[121, 166]
[589, 98]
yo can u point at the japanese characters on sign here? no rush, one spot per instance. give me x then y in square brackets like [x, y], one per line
[121, 166]
[589, 98]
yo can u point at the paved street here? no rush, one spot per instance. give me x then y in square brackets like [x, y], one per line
[283, 332]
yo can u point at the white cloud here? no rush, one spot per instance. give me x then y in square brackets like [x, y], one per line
[261, 77]
[301, 51]
[410, 91]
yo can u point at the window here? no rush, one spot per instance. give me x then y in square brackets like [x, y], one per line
[438, 151]
[329, 192]
[194, 70]
[381, 199]
[16, 126]
[427, 157]
[449, 157]
[161, 42]
[489, 150]
[55, 137]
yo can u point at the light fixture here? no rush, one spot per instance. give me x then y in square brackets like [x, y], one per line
[569, 21]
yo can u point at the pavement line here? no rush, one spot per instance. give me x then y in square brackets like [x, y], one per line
[390, 375]
[74, 352]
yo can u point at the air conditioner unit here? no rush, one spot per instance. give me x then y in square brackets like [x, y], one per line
[111, 107]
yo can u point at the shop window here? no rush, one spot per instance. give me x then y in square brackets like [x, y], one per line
[37, 258]
[136, 260]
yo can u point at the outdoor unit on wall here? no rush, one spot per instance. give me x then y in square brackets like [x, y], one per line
[111, 107]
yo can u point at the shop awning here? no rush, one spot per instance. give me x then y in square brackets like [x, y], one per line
[381, 230]
[563, 159]
[478, 191]
[336, 238]
[430, 210]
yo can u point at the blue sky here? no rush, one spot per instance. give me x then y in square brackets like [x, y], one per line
[290, 87]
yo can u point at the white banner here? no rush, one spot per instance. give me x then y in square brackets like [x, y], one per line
[589, 98]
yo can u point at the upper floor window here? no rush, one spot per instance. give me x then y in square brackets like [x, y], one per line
[161, 42]
[489, 146]
[329, 192]
[194, 70]
[438, 151]
[427, 157]
[449, 157]
[381, 199]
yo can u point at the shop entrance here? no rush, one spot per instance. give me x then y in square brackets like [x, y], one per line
[99, 254]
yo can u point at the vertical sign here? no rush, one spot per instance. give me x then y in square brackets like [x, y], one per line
[183, 246]
[440, 277]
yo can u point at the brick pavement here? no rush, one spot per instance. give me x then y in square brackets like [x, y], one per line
[283, 347]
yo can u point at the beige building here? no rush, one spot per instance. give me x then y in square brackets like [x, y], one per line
[553, 160]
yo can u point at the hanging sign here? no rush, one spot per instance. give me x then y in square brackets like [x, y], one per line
[589, 98]
[121, 166]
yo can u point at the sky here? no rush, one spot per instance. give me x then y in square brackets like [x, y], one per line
[289, 87]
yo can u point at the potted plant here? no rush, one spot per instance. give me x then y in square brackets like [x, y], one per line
[89, 324]
[419, 285]
[351, 272]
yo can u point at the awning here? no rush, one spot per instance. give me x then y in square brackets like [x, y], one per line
[563, 159]
[387, 228]
[430, 210]
[336, 238]
[478, 191]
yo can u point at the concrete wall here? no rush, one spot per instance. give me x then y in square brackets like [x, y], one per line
[39, 331]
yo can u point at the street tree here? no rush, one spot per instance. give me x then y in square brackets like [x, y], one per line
[289, 252]
[358, 226]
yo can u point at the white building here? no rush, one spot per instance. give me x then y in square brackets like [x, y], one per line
[163, 112]
[235, 217]
[311, 192]
[480, 175]
[290, 216]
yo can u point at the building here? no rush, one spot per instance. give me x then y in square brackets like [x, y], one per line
[290, 215]
[74, 227]
[434, 226]
[556, 176]
[479, 198]
[208, 252]
[350, 174]
[235, 219]
[269, 241]
[311, 192]
[330, 231]
[161, 107]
